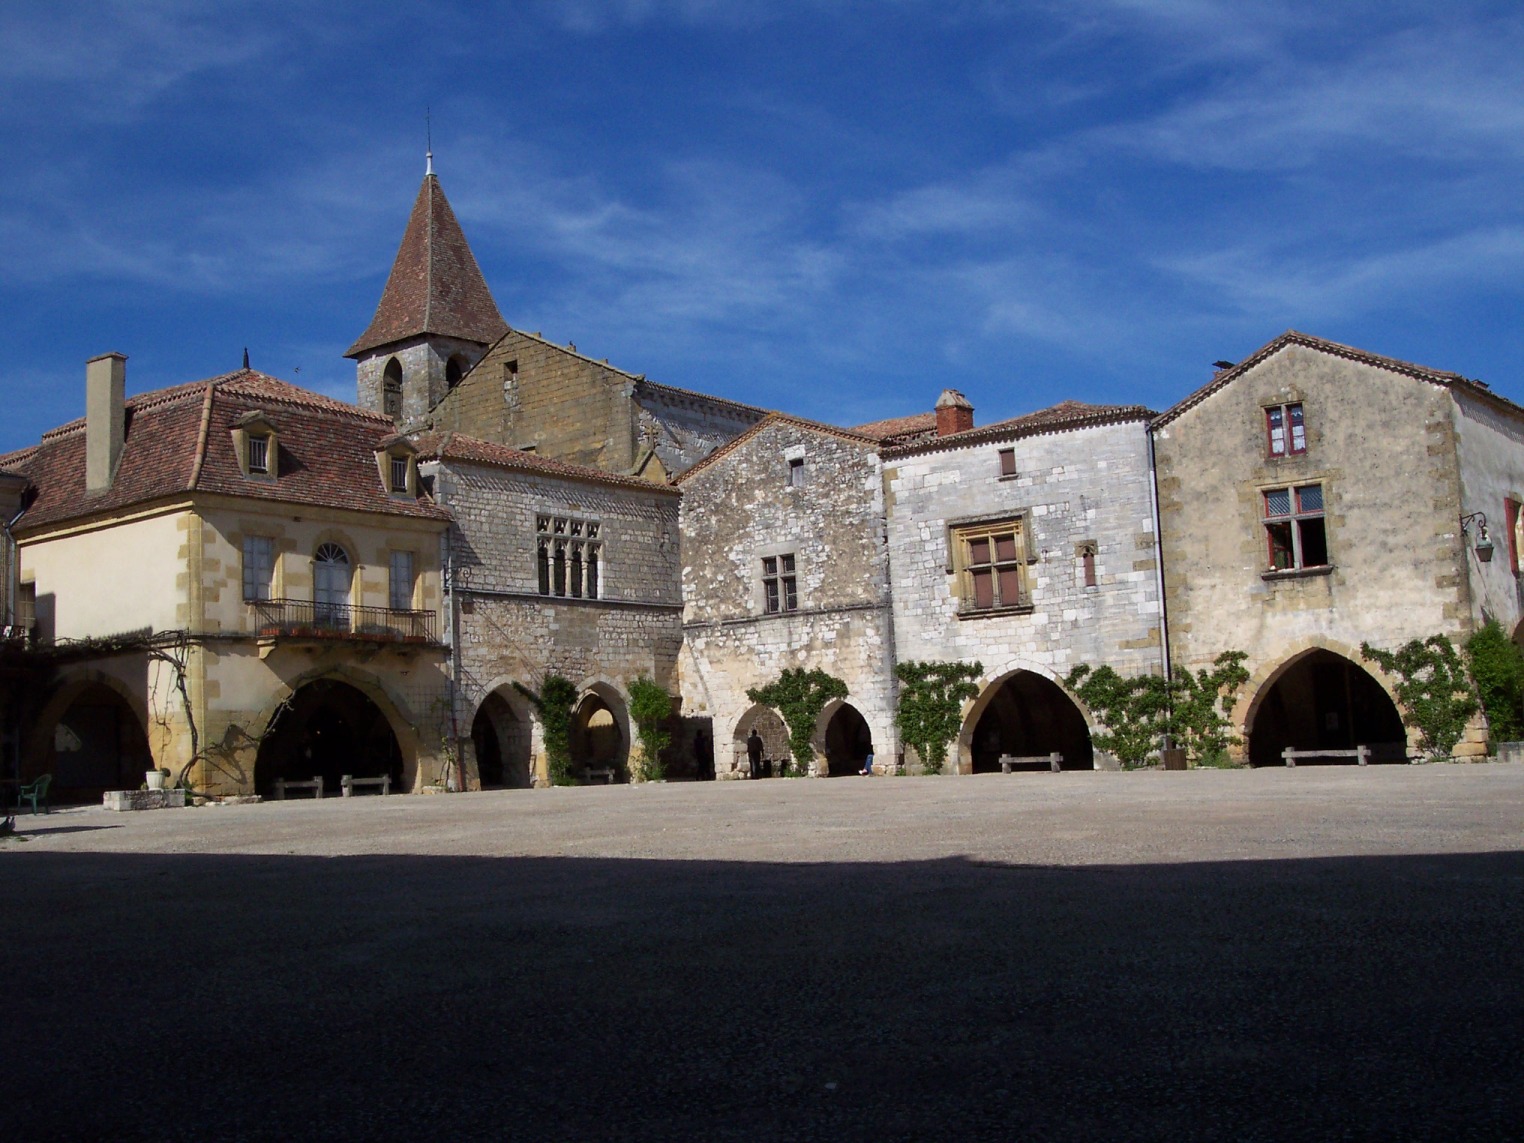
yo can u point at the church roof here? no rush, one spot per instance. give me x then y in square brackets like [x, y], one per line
[435, 286]
[460, 447]
[179, 442]
[900, 430]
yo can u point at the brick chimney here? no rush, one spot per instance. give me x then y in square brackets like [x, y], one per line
[105, 418]
[954, 413]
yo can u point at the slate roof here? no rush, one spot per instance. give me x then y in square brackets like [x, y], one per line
[473, 450]
[435, 286]
[1065, 416]
[179, 441]
[1333, 348]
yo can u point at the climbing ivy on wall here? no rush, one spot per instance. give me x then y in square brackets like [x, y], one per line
[1199, 703]
[1139, 712]
[651, 710]
[1497, 668]
[554, 703]
[799, 696]
[1436, 696]
[1134, 710]
[931, 702]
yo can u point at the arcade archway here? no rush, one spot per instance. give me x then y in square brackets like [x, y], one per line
[770, 728]
[97, 744]
[1027, 716]
[598, 739]
[327, 729]
[501, 738]
[1322, 700]
[847, 741]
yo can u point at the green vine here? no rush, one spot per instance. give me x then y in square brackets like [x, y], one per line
[651, 710]
[1139, 712]
[930, 706]
[554, 703]
[1436, 696]
[799, 696]
[1134, 710]
[1497, 667]
[1200, 702]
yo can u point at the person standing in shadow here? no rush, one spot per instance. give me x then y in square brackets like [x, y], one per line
[754, 753]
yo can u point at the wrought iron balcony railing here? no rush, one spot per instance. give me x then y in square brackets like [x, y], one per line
[304, 619]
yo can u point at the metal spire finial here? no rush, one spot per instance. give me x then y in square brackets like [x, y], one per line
[428, 131]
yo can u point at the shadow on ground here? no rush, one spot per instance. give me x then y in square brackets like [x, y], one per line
[196, 997]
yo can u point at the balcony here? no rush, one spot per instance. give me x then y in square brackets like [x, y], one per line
[302, 619]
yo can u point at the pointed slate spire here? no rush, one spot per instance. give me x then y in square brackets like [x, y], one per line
[435, 287]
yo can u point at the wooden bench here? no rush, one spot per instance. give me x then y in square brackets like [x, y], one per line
[1361, 754]
[1055, 761]
[284, 784]
[349, 782]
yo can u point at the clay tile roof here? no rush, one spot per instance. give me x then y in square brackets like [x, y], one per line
[900, 430]
[763, 425]
[179, 442]
[472, 450]
[1334, 349]
[435, 286]
[1062, 417]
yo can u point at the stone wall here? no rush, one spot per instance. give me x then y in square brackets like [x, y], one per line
[1490, 442]
[741, 508]
[424, 363]
[1085, 489]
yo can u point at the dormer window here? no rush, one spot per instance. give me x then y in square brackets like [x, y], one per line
[397, 465]
[256, 445]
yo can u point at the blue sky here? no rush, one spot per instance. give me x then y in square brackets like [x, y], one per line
[833, 208]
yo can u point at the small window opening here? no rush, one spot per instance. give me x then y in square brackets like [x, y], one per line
[780, 590]
[399, 467]
[796, 472]
[1007, 462]
[1087, 564]
[259, 454]
[454, 371]
[391, 389]
[1286, 430]
[1295, 531]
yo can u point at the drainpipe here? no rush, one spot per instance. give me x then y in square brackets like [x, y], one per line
[1153, 503]
[13, 557]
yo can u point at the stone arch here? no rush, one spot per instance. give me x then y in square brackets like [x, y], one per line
[502, 738]
[598, 743]
[390, 706]
[1039, 715]
[1311, 653]
[770, 728]
[842, 738]
[114, 743]
[456, 367]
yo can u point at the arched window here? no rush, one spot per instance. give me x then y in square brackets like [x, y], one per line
[455, 369]
[330, 586]
[391, 388]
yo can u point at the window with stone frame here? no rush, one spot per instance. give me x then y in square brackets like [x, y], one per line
[259, 453]
[398, 466]
[569, 556]
[400, 584]
[780, 584]
[1285, 430]
[990, 562]
[258, 567]
[1296, 535]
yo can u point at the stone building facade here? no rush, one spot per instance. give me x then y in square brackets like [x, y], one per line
[558, 569]
[272, 595]
[1027, 546]
[1316, 497]
[784, 565]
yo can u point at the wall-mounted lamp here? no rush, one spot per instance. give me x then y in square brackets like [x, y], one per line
[1483, 541]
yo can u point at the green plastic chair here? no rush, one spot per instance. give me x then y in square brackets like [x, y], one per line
[33, 791]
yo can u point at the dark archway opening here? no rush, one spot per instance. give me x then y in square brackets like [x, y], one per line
[501, 740]
[326, 730]
[771, 730]
[848, 742]
[1029, 716]
[455, 369]
[391, 389]
[597, 743]
[1323, 701]
[98, 745]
